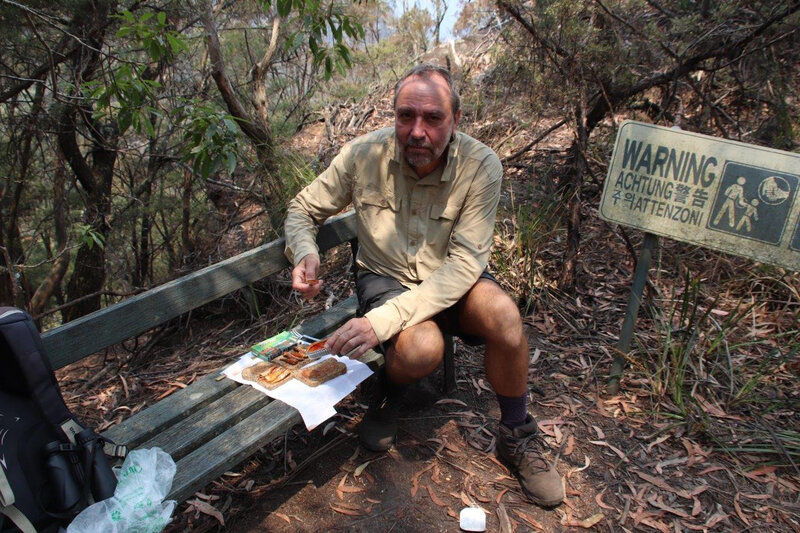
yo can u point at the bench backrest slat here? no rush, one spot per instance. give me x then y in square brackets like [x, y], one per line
[133, 316]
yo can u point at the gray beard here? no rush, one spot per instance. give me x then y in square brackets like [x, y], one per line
[415, 161]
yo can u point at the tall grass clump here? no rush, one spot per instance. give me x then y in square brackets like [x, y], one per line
[522, 231]
[728, 379]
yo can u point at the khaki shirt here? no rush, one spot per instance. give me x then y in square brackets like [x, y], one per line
[432, 234]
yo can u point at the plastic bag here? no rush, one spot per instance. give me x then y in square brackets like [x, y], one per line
[136, 507]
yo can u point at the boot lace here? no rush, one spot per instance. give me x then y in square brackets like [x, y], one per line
[527, 451]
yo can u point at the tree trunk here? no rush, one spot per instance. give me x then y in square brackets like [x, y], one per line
[260, 136]
[52, 280]
[88, 277]
[255, 128]
[187, 247]
[14, 287]
[569, 267]
[142, 249]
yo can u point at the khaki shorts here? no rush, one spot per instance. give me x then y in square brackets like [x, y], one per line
[373, 290]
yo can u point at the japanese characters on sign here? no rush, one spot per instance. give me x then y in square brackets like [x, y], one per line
[730, 196]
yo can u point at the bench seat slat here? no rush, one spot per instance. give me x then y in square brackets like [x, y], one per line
[185, 436]
[155, 418]
[225, 451]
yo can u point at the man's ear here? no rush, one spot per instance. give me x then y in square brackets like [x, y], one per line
[455, 124]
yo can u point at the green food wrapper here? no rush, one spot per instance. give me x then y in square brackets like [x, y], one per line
[272, 347]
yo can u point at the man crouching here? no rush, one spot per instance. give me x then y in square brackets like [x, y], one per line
[425, 198]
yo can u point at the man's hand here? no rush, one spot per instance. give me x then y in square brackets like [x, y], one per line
[353, 339]
[304, 277]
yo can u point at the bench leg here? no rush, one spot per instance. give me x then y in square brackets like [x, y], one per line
[449, 384]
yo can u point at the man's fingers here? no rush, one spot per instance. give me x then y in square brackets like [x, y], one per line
[357, 352]
[343, 340]
[305, 277]
[310, 290]
[353, 339]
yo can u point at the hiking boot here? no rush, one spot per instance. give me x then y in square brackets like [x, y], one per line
[520, 449]
[378, 429]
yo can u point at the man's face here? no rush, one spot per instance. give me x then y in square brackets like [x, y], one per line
[424, 122]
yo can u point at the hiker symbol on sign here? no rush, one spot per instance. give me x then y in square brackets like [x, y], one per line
[753, 202]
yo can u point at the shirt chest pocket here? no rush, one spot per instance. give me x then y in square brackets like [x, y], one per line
[445, 212]
[440, 224]
[376, 210]
[372, 199]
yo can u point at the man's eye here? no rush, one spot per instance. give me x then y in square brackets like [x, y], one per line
[435, 119]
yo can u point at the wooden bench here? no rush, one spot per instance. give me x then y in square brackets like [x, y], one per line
[213, 424]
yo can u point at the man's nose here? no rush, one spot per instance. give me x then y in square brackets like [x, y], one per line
[417, 129]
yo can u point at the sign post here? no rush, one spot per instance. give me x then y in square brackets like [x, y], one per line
[631, 311]
[721, 194]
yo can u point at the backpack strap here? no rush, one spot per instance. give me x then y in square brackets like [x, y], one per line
[7, 506]
[117, 451]
[6, 494]
[22, 337]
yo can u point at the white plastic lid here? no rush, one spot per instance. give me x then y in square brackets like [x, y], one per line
[472, 519]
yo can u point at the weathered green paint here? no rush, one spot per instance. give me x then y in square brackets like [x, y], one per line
[632, 311]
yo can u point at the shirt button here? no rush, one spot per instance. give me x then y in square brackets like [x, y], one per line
[412, 243]
[414, 212]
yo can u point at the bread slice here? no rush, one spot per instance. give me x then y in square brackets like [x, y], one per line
[268, 375]
[320, 373]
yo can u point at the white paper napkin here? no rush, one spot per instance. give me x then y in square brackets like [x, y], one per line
[315, 404]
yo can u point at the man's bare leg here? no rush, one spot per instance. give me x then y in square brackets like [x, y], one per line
[413, 354]
[488, 312]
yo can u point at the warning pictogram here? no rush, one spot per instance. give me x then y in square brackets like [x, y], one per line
[753, 202]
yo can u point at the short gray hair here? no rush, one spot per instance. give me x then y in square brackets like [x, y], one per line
[427, 71]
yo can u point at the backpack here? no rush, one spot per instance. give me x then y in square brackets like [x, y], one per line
[51, 466]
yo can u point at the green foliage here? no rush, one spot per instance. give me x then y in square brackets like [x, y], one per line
[153, 31]
[415, 29]
[523, 230]
[89, 237]
[129, 94]
[210, 137]
[320, 24]
[669, 368]
[295, 174]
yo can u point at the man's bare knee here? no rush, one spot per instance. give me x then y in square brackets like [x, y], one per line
[507, 320]
[415, 353]
[489, 312]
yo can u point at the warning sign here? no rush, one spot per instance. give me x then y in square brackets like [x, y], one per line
[726, 195]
